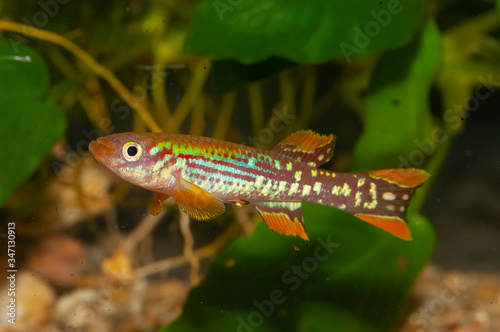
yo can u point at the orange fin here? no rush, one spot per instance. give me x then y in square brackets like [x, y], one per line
[394, 225]
[155, 209]
[239, 202]
[404, 177]
[197, 202]
[308, 147]
[283, 217]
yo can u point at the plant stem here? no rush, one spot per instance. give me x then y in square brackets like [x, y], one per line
[107, 75]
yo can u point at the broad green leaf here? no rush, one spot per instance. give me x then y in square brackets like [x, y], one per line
[350, 275]
[229, 73]
[29, 124]
[317, 31]
[398, 124]
[23, 73]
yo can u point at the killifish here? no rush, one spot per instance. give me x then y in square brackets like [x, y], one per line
[202, 174]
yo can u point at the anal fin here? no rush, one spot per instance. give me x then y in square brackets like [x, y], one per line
[307, 146]
[283, 217]
[197, 202]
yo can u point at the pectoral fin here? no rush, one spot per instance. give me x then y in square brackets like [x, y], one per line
[197, 202]
[283, 217]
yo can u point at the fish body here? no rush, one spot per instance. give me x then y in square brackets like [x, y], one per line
[204, 173]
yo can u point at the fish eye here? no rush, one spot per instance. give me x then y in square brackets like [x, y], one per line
[132, 151]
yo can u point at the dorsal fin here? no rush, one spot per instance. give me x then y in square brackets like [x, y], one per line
[307, 146]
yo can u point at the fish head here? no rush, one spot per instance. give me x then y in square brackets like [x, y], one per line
[130, 156]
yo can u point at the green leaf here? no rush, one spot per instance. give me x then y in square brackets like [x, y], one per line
[229, 73]
[29, 124]
[250, 31]
[23, 73]
[398, 123]
[269, 282]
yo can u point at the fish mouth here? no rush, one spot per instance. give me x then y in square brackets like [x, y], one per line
[102, 148]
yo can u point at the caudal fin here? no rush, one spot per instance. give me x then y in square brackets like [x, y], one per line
[386, 196]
